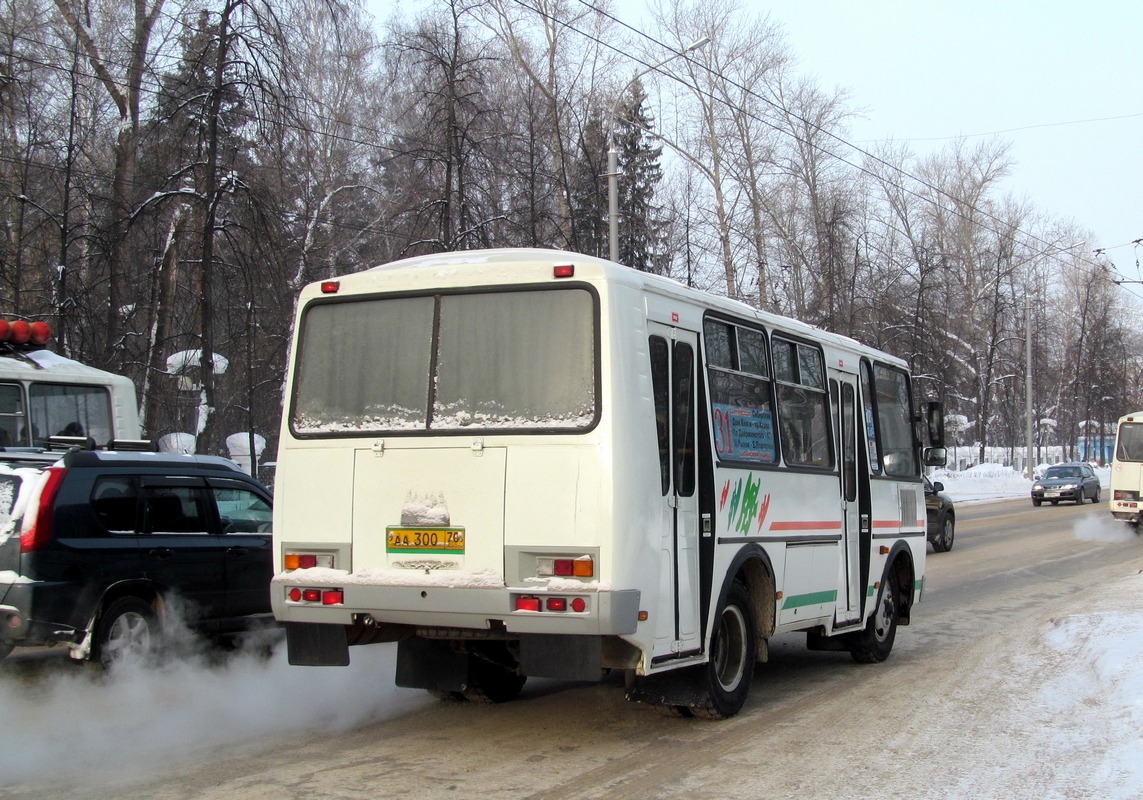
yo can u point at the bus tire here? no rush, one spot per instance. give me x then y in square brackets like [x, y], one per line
[874, 644]
[489, 682]
[733, 649]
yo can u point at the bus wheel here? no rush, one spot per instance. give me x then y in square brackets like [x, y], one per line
[489, 682]
[876, 642]
[726, 676]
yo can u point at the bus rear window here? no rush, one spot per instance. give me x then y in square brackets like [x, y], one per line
[493, 360]
[1129, 445]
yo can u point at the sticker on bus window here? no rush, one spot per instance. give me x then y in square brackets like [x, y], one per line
[745, 434]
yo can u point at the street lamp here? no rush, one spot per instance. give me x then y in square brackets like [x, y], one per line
[613, 154]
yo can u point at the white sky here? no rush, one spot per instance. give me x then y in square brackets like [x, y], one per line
[1059, 80]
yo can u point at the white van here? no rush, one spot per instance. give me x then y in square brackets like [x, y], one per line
[44, 394]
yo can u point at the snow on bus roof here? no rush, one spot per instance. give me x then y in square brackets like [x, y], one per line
[45, 363]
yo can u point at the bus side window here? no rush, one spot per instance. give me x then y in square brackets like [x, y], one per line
[11, 415]
[868, 414]
[803, 405]
[661, 389]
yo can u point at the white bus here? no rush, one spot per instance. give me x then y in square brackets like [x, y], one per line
[1127, 469]
[43, 394]
[532, 463]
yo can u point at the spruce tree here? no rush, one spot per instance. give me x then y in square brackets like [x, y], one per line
[642, 224]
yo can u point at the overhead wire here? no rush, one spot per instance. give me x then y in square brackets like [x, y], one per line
[393, 152]
[1048, 247]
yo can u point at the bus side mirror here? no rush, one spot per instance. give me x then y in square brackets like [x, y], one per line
[935, 419]
[934, 457]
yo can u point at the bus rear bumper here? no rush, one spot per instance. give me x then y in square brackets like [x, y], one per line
[604, 613]
[1126, 512]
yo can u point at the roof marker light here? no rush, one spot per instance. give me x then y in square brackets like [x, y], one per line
[39, 332]
[20, 332]
[330, 287]
[563, 271]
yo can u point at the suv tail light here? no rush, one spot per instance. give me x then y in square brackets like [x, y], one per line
[37, 529]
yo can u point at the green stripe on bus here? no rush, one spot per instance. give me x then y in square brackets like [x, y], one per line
[811, 599]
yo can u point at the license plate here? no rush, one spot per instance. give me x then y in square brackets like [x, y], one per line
[424, 540]
[1051, 494]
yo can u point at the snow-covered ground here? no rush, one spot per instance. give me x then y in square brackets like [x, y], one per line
[1078, 690]
[1089, 714]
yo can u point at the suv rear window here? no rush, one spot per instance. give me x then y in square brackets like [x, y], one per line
[114, 501]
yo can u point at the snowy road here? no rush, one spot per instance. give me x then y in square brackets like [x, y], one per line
[1019, 678]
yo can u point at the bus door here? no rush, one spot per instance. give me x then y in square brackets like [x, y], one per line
[854, 498]
[673, 375]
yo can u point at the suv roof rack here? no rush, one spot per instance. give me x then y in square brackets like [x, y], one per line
[70, 443]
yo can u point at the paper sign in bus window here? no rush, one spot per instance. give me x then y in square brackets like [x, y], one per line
[744, 433]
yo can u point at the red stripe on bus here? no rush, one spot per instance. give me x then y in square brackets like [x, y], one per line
[826, 525]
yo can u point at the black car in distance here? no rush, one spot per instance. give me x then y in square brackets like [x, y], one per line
[100, 549]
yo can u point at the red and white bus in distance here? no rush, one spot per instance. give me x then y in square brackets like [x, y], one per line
[43, 394]
[532, 463]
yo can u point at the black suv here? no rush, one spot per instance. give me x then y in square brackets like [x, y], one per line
[98, 549]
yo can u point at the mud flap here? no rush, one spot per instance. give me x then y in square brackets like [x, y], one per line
[310, 644]
[431, 664]
[678, 687]
[570, 658]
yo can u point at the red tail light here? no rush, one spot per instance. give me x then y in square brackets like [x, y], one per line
[528, 604]
[38, 531]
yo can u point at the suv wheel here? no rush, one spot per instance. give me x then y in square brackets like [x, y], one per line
[126, 633]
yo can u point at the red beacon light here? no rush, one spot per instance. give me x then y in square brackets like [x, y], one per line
[330, 287]
[20, 332]
[39, 332]
[563, 271]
